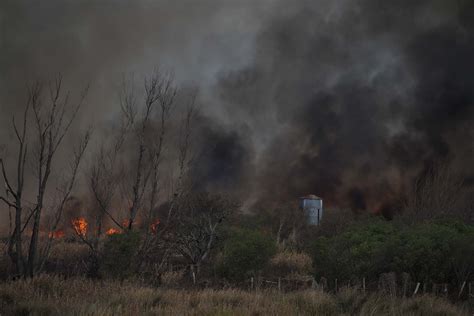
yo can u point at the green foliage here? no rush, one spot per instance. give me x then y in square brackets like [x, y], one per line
[244, 253]
[428, 252]
[118, 254]
[356, 252]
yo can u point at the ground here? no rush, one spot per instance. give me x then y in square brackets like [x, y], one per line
[50, 295]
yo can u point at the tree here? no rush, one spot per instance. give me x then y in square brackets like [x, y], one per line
[245, 253]
[52, 117]
[200, 216]
[143, 131]
[355, 253]
[128, 169]
[119, 255]
[439, 193]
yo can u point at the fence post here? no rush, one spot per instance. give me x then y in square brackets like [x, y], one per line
[335, 285]
[462, 289]
[251, 283]
[416, 288]
[279, 284]
[363, 284]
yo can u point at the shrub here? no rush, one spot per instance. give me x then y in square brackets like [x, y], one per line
[172, 278]
[358, 252]
[434, 251]
[291, 262]
[68, 259]
[244, 253]
[423, 250]
[118, 255]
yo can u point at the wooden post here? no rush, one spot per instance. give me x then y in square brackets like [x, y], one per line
[363, 285]
[335, 285]
[462, 289]
[279, 284]
[251, 283]
[416, 288]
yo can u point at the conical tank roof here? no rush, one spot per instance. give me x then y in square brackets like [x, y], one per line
[310, 197]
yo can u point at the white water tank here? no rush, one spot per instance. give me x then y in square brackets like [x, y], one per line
[313, 208]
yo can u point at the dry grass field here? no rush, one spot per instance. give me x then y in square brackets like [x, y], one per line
[49, 295]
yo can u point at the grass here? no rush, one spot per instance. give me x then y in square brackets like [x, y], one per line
[52, 295]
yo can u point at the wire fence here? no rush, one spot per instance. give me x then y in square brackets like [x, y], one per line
[387, 284]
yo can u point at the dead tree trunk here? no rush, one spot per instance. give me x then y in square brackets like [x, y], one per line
[52, 122]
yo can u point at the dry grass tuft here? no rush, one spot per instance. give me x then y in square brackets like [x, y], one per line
[49, 295]
[289, 262]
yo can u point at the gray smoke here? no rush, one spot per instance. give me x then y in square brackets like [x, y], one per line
[346, 99]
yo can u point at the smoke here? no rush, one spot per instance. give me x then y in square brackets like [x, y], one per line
[349, 100]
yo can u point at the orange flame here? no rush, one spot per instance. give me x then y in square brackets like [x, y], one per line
[80, 226]
[112, 231]
[125, 223]
[57, 234]
[154, 226]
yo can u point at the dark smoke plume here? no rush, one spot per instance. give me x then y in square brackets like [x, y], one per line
[349, 100]
[357, 98]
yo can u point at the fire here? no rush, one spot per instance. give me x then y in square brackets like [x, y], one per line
[112, 231]
[80, 226]
[57, 234]
[154, 226]
[125, 223]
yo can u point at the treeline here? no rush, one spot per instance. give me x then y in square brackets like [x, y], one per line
[246, 250]
[434, 252]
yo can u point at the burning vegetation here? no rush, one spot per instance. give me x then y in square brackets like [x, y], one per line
[154, 226]
[57, 234]
[113, 231]
[80, 226]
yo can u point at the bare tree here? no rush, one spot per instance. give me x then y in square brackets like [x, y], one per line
[64, 194]
[199, 218]
[438, 193]
[52, 117]
[132, 162]
[160, 92]
[105, 172]
[14, 196]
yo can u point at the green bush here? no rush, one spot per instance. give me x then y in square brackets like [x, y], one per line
[357, 252]
[117, 260]
[435, 251]
[430, 252]
[244, 253]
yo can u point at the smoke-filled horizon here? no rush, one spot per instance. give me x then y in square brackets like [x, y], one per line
[349, 100]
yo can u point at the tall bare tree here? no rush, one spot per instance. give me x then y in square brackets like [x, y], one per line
[132, 163]
[52, 115]
[144, 133]
[438, 193]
